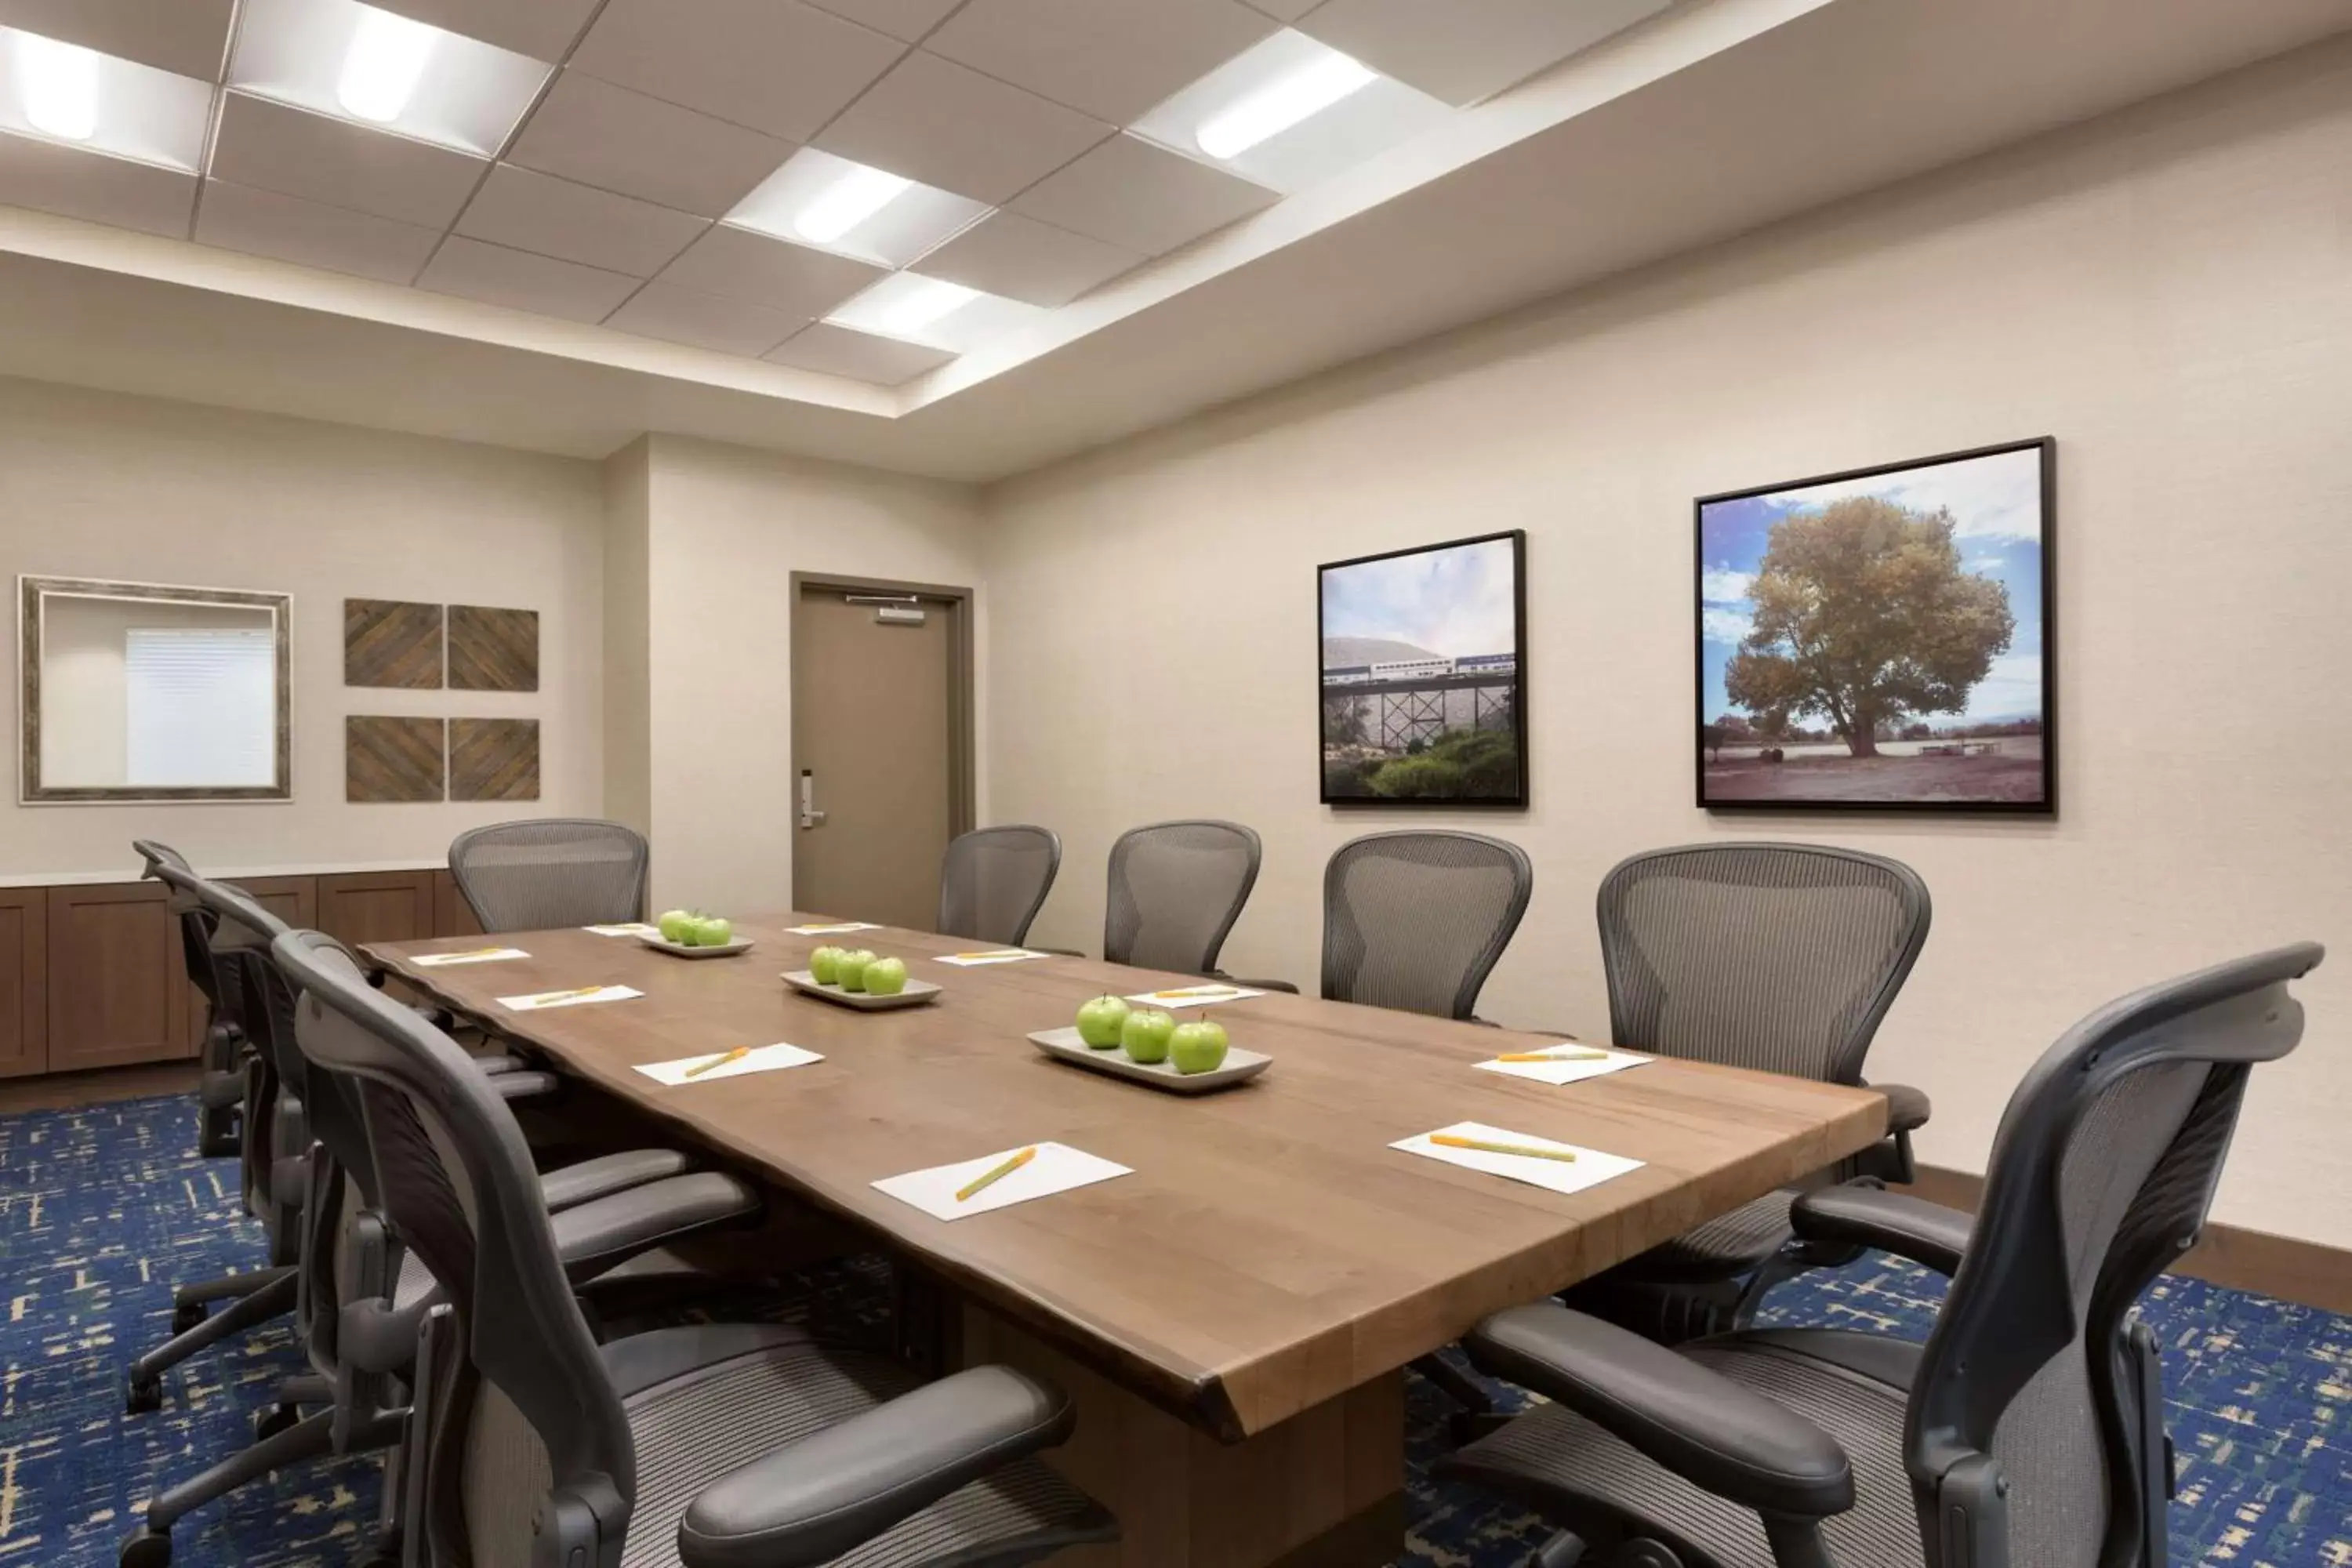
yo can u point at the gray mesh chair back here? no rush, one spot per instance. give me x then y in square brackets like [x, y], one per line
[1416, 920]
[1176, 890]
[2036, 1417]
[221, 1100]
[195, 926]
[546, 872]
[994, 881]
[1781, 957]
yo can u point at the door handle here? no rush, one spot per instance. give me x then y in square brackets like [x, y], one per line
[810, 815]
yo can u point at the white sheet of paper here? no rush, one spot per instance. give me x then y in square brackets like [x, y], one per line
[1570, 1068]
[626, 928]
[840, 927]
[543, 999]
[1208, 994]
[1591, 1168]
[763, 1058]
[989, 955]
[473, 955]
[1056, 1169]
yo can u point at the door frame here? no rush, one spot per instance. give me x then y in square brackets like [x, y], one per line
[963, 773]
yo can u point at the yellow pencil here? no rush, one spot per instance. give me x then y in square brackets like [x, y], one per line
[994, 952]
[979, 1184]
[1553, 1057]
[721, 1060]
[1180, 996]
[469, 952]
[1450, 1141]
[544, 997]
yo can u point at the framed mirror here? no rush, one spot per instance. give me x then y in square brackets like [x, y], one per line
[134, 691]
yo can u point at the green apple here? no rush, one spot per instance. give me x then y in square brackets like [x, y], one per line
[713, 931]
[673, 926]
[822, 963]
[849, 970]
[886, 976]
[1099, 1020]
[1198, 1047]
[1144, 1035]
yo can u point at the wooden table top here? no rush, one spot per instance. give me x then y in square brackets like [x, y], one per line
[1270, 1250]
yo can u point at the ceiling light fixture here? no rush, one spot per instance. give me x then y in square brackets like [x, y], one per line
[849, 201]
[60, 86]
[1277, 107]
[380, 71]
[926, 305]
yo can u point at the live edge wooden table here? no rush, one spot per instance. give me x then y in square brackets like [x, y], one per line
[1234, 1317]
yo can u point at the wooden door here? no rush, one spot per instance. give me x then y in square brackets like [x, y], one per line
[356, 907]
[118, 980]
[24, 982]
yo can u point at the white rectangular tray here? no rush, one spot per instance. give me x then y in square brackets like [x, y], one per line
[917, 992]
[1064, 1045]
[676, 950]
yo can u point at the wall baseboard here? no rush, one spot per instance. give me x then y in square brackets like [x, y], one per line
[2243, 1259]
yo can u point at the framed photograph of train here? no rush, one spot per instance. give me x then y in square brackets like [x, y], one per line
[1881, 639]
[1424, 674]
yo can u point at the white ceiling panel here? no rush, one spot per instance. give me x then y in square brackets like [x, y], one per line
[933, 121]
[525, 211]
[862, 356]
[591, 131]
[907, 19]
[126, 108]
[1285, 10]
[1111, 58]
[791, 204]
[458, 91]
[521, 281]
[283, 148]
[542, 29]
[1023, 259]
[1128, 193]
[737, 264]
[704, 321]
[774, 65]
[186, 37]
[264, 223]
[51, 177]
[1465, 50]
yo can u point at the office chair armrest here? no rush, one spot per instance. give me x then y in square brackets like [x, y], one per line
[811, 1501]
[1906, 1108]
[608, 1173]
[607, 1231]
[1858, 1216]
[513, 1085]
[1693, 1421]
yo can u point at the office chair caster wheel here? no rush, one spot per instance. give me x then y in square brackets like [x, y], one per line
[276, 1418]
[187, 1316]
[142, 1395]
[148, 1548]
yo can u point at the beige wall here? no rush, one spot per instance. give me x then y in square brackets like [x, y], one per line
[94, 485]
[2166, 292]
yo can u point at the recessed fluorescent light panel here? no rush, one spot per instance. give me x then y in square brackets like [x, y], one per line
[871, 214]
[62, 92]
[378, 67]
[1289, 113]
[933, 311]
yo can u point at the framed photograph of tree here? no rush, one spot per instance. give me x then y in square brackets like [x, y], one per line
[1882, 639]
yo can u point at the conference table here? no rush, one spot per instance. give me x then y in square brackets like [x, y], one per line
[1233, 1317]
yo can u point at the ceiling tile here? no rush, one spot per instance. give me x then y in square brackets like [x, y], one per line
[51, 177]
[1023, 259]
[577, 223]
[265, 144]
[774, 65]
[591, 131]
[704, 321]
[737, 264]
[521, 281]
[1285, 10]
[466, 95]
[1128, 193]
[543, 29]
[863, 356]
[1111, 58]
[1465, 50]
[936, 121]
[188, 37]
[907, 19]
[263, 223]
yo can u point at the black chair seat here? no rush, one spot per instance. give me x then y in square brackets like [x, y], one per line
[704, 1399]
[1556, 1461]
[1729, 1244]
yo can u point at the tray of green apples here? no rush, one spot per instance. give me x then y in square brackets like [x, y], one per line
[690, 933]
[856, 977]
[1148, 1046]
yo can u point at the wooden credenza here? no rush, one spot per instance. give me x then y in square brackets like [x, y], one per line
[93, 975]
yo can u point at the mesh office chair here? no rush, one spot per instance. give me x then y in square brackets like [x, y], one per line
[1416, 921]
[220, 1101]
[994, 881]
[546, 872]
[1781, 957]
[2029, 1430]
[1176, 890]
[710, 1445]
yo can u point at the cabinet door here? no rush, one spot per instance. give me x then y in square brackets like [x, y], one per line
[452, 915]
[359, 907]
[118, 978]
[24, 982]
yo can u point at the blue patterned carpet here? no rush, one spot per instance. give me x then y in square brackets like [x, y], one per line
[101, 1210]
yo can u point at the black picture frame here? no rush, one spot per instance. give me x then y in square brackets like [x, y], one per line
[1516, 799]
[2047, 804]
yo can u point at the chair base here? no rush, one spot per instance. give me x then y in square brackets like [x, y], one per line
[274, 1297]
[312, 1437]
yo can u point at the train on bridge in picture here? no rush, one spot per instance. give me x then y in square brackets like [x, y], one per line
[1406, 670]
